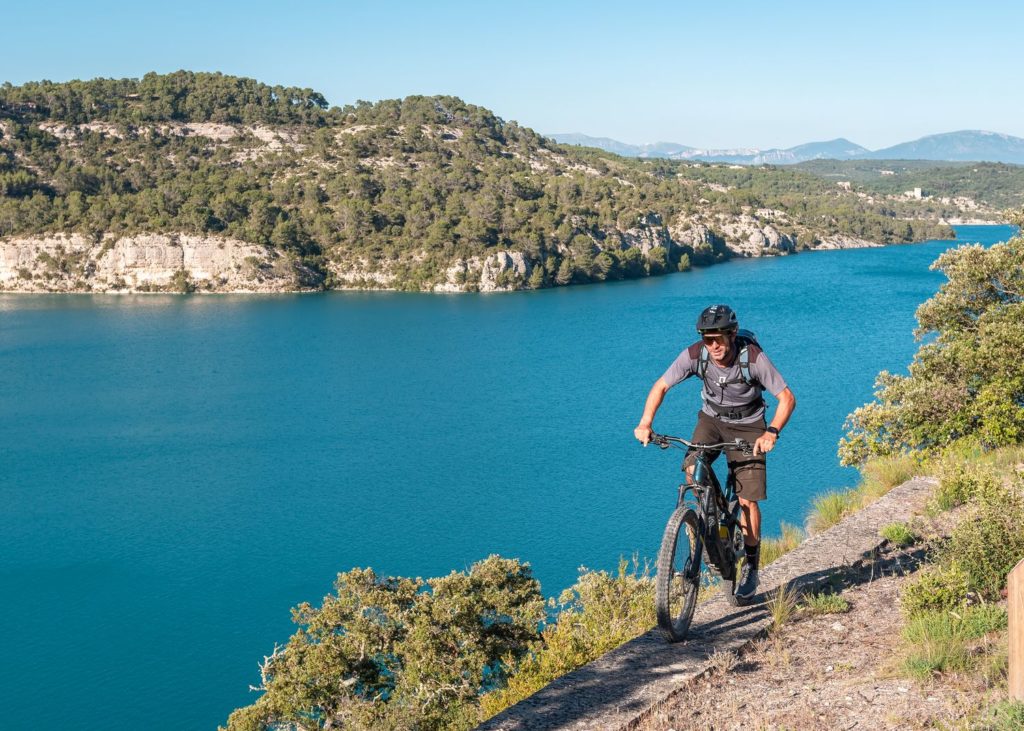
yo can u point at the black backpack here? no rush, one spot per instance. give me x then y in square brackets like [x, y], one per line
[744, 339]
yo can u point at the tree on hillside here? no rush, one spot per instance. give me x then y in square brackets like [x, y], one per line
[967, 382]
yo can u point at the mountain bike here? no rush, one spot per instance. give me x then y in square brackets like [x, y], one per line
[704, 526]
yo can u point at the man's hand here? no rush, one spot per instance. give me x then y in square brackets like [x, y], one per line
[643, 433]
[765, 443]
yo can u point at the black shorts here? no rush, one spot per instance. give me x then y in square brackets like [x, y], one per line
[749, 471]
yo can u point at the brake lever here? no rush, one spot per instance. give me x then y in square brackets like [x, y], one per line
[659, 440]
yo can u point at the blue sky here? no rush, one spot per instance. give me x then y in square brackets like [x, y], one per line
[707, 74]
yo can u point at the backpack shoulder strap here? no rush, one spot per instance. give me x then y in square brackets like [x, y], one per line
[702, 363]
[745, 365]
[750, 352]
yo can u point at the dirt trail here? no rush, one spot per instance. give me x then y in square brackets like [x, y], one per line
[829, 671]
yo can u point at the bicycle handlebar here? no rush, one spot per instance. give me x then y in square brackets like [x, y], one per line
[664, 441]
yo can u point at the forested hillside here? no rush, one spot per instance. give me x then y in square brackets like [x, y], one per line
[419, 193]
[989, 184]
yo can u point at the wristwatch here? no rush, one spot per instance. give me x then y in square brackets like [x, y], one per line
[773, 430]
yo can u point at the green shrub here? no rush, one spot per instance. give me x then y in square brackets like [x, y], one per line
[935, 588]
[395, 652]
[599, 613]
[1003, 716]
[939, 641]
[989, 541]
[182, 282]
[959, 480]
[899, 534]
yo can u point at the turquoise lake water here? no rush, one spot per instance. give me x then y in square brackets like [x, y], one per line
[177, 472]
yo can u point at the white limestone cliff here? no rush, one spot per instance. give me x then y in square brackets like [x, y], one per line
[147, 262]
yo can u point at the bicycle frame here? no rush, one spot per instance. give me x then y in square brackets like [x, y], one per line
[716, 509]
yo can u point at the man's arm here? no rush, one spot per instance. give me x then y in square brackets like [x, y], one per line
[654, 399]
[787, 402]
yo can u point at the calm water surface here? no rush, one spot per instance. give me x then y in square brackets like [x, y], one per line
[177, 472]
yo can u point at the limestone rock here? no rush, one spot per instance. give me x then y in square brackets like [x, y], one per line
[648, 234]
[459, 274]
[148, 262]
[749, 236]
[845, 242]
[696, 236]
[504, 271]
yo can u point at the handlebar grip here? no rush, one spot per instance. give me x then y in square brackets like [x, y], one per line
[658, 440]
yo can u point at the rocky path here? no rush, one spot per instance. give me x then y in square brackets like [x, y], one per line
[828, 671]
[639, 680]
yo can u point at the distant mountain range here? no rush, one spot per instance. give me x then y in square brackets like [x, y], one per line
[953, 146]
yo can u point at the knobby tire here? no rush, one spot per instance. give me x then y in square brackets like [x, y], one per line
[678, 577]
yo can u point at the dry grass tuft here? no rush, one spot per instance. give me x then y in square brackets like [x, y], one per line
[782, 605]
[722, 661]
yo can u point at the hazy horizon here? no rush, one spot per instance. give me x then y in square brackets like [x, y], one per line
[729, 76]
[764, 149]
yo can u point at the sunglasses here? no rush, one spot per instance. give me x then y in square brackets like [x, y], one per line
[715, 339]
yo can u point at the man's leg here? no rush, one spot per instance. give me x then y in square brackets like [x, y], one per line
[749, 476]
[750, 521]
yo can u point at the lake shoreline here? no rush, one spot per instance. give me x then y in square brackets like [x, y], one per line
[288, 273]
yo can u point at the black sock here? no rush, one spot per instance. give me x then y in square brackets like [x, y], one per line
[753, 555]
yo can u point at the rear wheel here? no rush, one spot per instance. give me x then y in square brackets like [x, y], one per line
[678, 578]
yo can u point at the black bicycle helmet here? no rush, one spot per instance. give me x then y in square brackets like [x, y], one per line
[717, 318]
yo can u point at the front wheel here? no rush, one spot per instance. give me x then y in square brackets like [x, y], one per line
[730, 583]
[678, 579]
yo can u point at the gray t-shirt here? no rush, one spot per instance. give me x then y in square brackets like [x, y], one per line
[725, 386]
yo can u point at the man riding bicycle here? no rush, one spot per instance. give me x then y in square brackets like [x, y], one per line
[735, 372]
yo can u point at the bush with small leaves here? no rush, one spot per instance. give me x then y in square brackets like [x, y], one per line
[959, 480]
[600, 612]
[989, 541]
[393, 653]
[935, 587]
